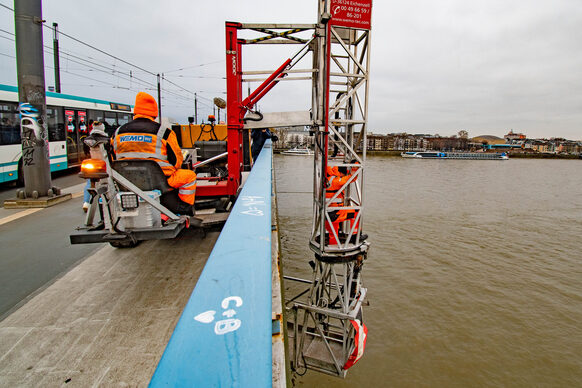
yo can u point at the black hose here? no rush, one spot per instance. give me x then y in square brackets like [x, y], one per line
[253, 118]
[210, 131]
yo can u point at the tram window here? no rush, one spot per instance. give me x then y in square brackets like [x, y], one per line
[56, 124]
[95, 115]
[110, 122]
[123, 118]
[9, 124]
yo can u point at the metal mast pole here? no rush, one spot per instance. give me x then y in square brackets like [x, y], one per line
[31, 94]
[195, 109]
[56, 57]
[159, 100]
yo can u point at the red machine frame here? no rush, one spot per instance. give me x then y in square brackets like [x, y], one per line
[236, 109]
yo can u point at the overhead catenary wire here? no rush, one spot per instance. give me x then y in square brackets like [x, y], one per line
[87, 59]
[109, 69]
[7, 7]
[193, 66]
[192, 93]
[84, 76]
[102, 69]
[125, 76]
[106, 70]
[7, 32]
[93, 65]
[175, 84]
[63, 52]
[101, 51]
[126, 62]
[196, 76]
[83, 43]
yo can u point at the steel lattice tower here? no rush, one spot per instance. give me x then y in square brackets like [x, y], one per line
[329, 326]
[326, 320]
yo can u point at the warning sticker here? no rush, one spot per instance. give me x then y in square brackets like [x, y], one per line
[351, 13]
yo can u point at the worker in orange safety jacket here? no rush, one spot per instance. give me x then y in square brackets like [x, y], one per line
[143, 138]
[337, 177]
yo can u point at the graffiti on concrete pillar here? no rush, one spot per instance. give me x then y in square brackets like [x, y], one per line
[32, 132]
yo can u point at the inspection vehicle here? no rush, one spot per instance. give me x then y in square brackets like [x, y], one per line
[131, 200]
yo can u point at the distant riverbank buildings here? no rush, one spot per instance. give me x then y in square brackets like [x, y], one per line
[291, 137]
[418, 142]
[512, 142]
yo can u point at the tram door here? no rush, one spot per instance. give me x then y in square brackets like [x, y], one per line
[77, 130]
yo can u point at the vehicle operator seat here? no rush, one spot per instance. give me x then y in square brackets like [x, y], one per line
[147, 175]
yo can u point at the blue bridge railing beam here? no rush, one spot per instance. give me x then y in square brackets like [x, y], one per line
[224, 336]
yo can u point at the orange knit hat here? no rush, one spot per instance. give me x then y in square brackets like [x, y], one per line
[145, 105]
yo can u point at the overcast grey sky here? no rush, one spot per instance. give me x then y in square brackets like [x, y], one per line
[485, 66]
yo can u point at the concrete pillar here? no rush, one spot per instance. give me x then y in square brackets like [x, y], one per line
[31, 94]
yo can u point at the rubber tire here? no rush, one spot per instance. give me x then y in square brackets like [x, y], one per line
[222, 205]
[124, 244]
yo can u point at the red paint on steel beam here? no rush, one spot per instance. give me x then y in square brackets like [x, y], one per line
[235, 110]
[218, 190]
[255, 96]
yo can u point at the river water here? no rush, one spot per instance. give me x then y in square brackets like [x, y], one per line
[474, 274]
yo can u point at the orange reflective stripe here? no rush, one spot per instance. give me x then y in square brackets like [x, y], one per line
[140, 145]
[136, 145]
[185, 182]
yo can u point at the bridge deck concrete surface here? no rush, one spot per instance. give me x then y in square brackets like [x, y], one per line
[108, 320]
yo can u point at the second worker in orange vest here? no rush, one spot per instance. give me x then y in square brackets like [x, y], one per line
[337, 177]
[143, 138]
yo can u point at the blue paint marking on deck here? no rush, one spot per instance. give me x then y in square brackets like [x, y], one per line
[223, 338]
